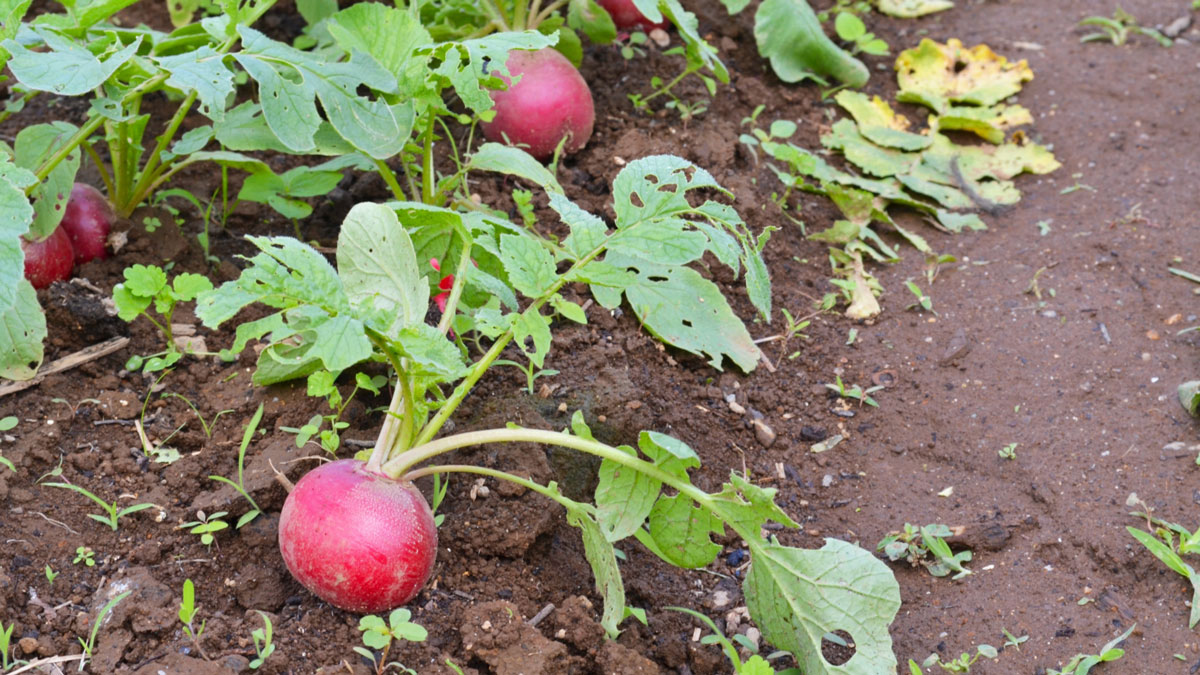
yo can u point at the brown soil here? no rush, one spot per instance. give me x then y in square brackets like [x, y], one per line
[1083, 382]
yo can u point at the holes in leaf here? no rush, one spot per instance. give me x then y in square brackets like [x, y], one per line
[636, 199]
[837, 647]
[668, 187]
[687, 322]
[960, 66]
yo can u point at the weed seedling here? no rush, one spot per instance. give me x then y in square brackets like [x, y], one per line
[322, 384]
[923, 301]
[1118, 29]
[1077, 186]
[1013, 641]
[51, 575]
[379, 635]
[7, 423]
[6, 646]
[84, 555]
[263, 647]
[91, 641]
[187, 615]
[960, 665]
[1009, 451]
[856, 392]
[755, 665]
[1163, 545]
[851, 29]
[206, 526]
[113, 513]
[918, 545]
[1081, 664]
[207, 426]
[240, 485]
[144, 285]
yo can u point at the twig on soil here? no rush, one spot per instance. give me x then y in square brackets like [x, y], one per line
[54, 522]
[356, 443]
[68, 362]
[47, 661]
[540, 616]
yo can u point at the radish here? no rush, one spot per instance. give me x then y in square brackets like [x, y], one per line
[550, 101]
[357, 539]
[48, 260]
[626, 15]
[87, 220]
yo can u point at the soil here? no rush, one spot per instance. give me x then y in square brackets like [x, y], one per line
[1082, 380]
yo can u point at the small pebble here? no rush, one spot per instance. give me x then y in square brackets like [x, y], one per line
[827, 480]
[1152, 335]
[734, 559]
[764, 433]
[28, 645]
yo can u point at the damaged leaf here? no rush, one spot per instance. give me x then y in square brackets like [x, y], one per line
[989, 123]
[871, 158]
[936, 75]
[878, 123]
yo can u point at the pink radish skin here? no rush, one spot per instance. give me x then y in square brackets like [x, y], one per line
[358, 540]
[626, 15]
[550, 101]
[48, 260]
[87, 220]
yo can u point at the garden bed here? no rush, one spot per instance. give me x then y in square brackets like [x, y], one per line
[1081, 377]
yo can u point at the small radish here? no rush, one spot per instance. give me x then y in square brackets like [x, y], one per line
[626, 15]
[550, 101]
[87, 220]
[358, 540]
[48, 260]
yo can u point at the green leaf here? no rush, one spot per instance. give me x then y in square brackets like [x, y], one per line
[568, 309]
[129, 305]
[514, 162]
[16, 213]
[687, 311]
[245, 129]
[187, 286]
[388, 35]
[682, 530]
[936, 75]
[587, 231]
[849, 27]
[1189, 397]
[911, 9]
[68, 69]
[34, 144]
[790, 36]
[468, 65]
[531, 333]
[603, 560]
[378, 267]
[529, 266]
[871, 158]
[22, 330]
[290, 82]
[145, 281]
[203, 71]
[796, 596]
[624, 498]
[590, 18]
[655, 187]
[431, 353]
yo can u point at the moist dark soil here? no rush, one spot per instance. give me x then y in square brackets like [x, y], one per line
[1082, 380]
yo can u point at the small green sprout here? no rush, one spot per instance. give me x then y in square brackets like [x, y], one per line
[85, 555]
[206, 526]
[851, 29]
[114, 514]
[1118, 29]
[1013, 641]
[240, 486]
[1009, 451]
[91, 641]
[51, 575]
[263, 647]
[187, 615]
[855, 392]
[1081, 664]
[379, 635]
[917, 545]
[7, 423]
[144, 285]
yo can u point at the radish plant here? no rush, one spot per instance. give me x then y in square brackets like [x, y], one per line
[360, 535]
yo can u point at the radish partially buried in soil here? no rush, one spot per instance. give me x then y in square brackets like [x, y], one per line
[626, 15]
[49, 260]
[357, 539]
[87, 221]
[550, 101]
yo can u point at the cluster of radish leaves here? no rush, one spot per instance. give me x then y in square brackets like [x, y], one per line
[507, 289]
[366, 96]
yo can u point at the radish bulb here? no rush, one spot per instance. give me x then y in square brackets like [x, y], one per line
[88, 219]
[359, 540]
[626, 15]
[48, 260]
[550, 101]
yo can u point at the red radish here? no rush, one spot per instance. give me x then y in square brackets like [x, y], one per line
[550, 101]
[358, 540]
[626, 15]
[48, 260]
[87, 220]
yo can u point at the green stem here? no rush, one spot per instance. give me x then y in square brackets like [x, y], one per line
[496, 15]
[668, 86]
[427, 176]
[518, 15]
[105, 176]
[387, 433]
[8, 111]
[389, 177]
[151, 171]
[545, 14]
[401, 465]
[543, 490]
[460, 280]
[534, 7]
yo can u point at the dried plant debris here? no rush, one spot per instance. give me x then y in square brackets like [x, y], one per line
[911, 9]
[924, 170]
